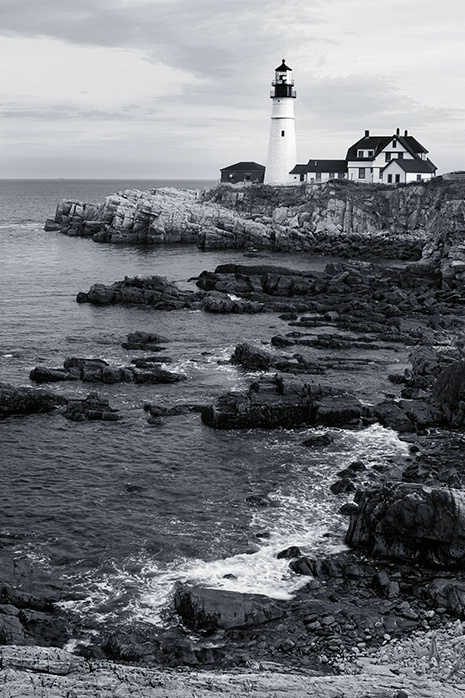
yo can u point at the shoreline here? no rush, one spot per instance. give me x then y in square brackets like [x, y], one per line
[347, 576]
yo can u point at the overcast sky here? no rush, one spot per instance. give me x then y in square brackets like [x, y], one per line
[180, 88]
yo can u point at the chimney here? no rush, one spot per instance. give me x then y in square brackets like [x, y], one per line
[406, 133]
[397, 131]
[367, 133]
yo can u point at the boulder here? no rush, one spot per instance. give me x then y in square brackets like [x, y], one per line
[209, 609]
[42, 374]
[449, 594]
[144, 340]
[448, 393]
[93, 407]
[339, 411]
[411, 522]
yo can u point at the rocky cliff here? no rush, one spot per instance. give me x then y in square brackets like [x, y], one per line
[339, 218]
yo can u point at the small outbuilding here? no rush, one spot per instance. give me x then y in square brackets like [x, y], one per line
[243, 172]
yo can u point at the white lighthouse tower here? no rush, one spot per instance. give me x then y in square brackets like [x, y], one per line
[282, 153]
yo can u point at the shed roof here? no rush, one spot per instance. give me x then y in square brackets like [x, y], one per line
[243, 167]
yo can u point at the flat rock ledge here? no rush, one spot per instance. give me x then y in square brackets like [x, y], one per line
[36, 672]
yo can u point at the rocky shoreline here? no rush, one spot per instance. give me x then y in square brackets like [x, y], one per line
[383, 619]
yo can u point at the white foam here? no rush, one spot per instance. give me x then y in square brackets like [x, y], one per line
[306, 517]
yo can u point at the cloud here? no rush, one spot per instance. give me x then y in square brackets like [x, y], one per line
[190, 78]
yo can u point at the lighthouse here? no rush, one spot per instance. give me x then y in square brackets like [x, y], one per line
[282, 155]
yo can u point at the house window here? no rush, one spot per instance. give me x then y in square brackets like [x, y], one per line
[418, 178]
[282, 133]
[394, 144]
[318, 176]
[331, 175]
[370, 153]
[302, 177]
[361, 173]
[341, 175]
[397, 179]
[400, 156]
[360, 153]
[380, 173]
[387, 156]
[389, 179]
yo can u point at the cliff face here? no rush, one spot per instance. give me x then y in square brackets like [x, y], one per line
[339, 218]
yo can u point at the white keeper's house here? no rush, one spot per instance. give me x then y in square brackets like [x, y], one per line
[384, 159]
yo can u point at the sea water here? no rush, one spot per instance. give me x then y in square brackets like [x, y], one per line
[122, 511]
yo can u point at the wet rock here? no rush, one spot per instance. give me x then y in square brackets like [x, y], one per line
[98, 371]
[449, 594]
[93, 407]
[17, 401]
[317, 440]
[449, 393]
[258, 500]
[384, 586]
[348, 509]
[149, 341]
[339, 411]
[218, 302]
[343, 486]
[161, 411]
[252, 357]
[42, 374]
[154, 291]
[291, 552]
[271, 402]
[209, 609]
[390, 414]
[411, 522]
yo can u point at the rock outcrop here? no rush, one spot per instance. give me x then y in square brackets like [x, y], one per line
[19, 400]
[38, 672]
[334, 218]
[155, 291]
[411, 522]
[99, 371]
[92, 408]
[281, 400]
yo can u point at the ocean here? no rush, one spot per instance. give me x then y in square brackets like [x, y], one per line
[122, 511]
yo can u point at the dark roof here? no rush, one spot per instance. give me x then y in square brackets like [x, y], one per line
[374, 143]
[377, 143]
[283, 67]
[414, 165]
[320, 166]
[411, 143]
[299, 169]
[243, 167]
[326, 166]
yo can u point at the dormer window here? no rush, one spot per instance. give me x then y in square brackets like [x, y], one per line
[371, 153]
[360, 153]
